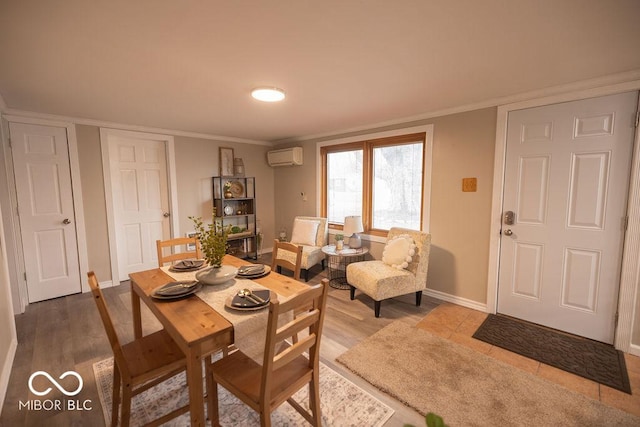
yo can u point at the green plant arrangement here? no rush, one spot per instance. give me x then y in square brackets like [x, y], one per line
[213, 239]
[339, 237]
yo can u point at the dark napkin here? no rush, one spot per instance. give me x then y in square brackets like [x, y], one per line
[176, 288]
[245, 302]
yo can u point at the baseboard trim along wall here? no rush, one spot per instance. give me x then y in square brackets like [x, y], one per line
[474, 305]
[6, 370]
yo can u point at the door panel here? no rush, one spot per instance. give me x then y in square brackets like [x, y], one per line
[567, 179]
[45, 201]
[140, 200]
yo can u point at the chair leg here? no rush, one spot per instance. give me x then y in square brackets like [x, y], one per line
[376, 305]
[306, 275]
[314, 399]
[418, 298]
[115, 398]
[352, 292]
[126, 405]
[212, 400]
[322, 263]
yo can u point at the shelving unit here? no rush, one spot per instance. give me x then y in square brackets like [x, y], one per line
[234, 198]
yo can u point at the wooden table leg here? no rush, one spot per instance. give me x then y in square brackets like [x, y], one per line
[196, 391]
[137, 318]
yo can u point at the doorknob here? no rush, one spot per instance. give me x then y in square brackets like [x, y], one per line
[66, 221]
[508, 232]
[166, 214]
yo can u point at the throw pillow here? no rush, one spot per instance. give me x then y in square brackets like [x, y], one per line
[304, 232]
[399, 251]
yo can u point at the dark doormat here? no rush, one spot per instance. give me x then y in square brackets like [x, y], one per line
[581, 356]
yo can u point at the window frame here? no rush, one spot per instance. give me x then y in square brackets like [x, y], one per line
[367, 143]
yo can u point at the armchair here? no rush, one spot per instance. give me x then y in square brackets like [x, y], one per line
[311, 233]
[383, 279]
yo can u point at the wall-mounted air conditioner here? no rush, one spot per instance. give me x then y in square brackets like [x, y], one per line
[285, 157]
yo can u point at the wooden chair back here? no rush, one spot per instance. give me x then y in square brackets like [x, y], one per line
[276, 261]
[284, 369]
[309, 306]
[106, 321]
[177, 256]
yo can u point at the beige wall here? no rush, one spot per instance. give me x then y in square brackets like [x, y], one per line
[463, 146]
[8, 339]
[196, 163]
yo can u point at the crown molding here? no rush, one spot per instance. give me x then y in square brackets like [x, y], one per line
[122, 126]
[609, 80]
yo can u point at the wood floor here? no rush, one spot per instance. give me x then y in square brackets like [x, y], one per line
[67, 334]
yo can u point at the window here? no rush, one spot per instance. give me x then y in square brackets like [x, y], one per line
[381, 180]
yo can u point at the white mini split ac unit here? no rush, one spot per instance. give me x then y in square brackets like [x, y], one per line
[285, 157]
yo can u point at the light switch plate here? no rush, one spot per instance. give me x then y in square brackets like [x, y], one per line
[469, 185]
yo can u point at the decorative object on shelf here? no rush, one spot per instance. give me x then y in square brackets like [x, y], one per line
[226, 161]
[235, 203]
[339, 242]
[227, 190]
[213, 239]
[236, 188]
[353, 226]
[238, 167]
[283, 235]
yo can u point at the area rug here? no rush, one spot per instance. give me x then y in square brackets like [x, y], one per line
[467, 388]
[342, 402]
[589, 359]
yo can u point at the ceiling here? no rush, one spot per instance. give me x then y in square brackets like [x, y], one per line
[344, 64]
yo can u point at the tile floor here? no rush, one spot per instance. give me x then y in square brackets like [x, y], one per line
[458, 324]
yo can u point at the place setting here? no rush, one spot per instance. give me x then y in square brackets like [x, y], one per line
[176, 290]
[187, 265]
[253, 271]
[249, 300]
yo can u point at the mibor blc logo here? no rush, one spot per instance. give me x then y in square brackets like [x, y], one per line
[55, 404]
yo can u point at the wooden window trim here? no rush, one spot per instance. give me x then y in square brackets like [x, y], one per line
[367, 147]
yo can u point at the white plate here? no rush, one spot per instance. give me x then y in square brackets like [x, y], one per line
[228, 210]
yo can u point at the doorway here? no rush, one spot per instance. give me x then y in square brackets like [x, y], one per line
[566, 181]
[139, 176]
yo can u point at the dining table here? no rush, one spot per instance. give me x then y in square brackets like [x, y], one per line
[196, 327]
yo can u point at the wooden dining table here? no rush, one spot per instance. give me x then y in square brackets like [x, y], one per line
[196, 327]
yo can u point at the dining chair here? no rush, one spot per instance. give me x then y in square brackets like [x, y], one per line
[291, 262]
[284, 369]
[138, 365]
[177, 256]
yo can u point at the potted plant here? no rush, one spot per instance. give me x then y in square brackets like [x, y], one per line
[213, 241]
[339, 242]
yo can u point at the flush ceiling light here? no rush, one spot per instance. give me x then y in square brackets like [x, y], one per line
[268, 94]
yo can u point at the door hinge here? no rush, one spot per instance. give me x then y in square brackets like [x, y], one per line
[637, 118]
[25, 276]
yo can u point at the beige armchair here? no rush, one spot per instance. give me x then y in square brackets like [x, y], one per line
[311, 233]
[382, 279]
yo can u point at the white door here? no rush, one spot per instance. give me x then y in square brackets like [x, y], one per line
[566, 181]
[45, 204]
[140, 201]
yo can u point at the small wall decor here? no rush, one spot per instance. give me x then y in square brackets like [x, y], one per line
[226, 161]
[238, 167]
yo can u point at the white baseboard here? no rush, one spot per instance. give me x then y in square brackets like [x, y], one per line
[633, 349]
[456, 300]
[6, 371]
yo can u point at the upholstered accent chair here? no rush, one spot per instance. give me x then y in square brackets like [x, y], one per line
[311, 233]
[402, 270]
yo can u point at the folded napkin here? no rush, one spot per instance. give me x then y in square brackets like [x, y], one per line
[248, 270]
[176, 288]
[188, 264]
[248, 302]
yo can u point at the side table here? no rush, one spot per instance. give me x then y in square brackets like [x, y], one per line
[338, 261]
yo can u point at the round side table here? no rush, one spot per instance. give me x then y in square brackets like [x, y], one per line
[338, 261]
